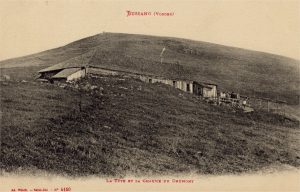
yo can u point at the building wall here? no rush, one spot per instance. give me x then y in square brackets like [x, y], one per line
[214, 91]
[164, 81]
[197, 88]
[207, 92]
[186, 86]
[148, 79]
[210, 92]
[76, 75]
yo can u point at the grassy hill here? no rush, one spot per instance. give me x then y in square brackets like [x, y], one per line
[127, 127]
[233, 69]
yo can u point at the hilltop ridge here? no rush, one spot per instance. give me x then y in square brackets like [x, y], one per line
[248, 72]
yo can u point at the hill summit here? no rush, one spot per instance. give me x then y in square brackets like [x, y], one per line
[248, 72]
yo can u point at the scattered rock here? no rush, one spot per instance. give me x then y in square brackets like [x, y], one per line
[93, 87]
[63, 86]
[42, 80]
[123, 88]
[107, 127]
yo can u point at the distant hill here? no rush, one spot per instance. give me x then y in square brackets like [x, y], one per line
[249, 72]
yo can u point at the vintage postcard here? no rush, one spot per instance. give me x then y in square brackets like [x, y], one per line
[151, 95]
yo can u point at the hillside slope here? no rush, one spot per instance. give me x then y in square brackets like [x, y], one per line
[233, 69]
[127, 127]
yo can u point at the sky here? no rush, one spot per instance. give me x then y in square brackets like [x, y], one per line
[31, 26]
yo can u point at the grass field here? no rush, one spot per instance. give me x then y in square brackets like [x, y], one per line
[127, 127]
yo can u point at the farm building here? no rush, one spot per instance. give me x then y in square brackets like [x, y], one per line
[59, 73]
[64, 74]
[184, 85]
[66, 71]
[69, 74]
[206, 90]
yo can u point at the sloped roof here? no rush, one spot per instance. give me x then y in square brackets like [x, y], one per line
[207, 85]
[78, 61]
[86, 59]
[66, 72]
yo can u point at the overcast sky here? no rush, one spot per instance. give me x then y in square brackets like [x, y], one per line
[30, 26]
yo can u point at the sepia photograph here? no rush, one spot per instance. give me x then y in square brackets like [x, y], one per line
[104, 95]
